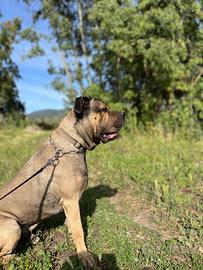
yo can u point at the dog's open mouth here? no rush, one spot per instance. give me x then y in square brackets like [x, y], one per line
[106, 137]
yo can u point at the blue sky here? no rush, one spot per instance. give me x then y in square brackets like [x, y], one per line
[34, 86]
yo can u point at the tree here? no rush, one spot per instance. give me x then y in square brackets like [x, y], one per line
[144, 54]
[9, 99]
[153, 53]
[68, 24]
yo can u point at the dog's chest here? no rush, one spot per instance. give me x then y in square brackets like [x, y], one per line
[72, 175]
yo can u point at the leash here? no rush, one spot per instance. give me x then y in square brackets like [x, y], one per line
[52, 161]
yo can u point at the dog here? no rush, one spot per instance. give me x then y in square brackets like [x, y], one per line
[60, 184]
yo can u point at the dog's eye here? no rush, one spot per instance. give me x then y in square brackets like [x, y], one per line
[104, 110]
[99, 110]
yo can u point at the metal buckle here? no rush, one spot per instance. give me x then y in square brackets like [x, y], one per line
[77, 145]
[59, 153]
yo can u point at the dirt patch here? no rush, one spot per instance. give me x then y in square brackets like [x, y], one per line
[143, 213]
[56, 245]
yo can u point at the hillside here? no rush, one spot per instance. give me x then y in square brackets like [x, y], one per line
[48, 114]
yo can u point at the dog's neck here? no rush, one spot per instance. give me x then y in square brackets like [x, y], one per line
[73, 132]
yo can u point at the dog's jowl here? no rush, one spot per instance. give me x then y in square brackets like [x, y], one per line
[61, 182]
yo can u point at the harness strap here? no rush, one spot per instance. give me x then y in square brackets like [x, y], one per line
[52, 161]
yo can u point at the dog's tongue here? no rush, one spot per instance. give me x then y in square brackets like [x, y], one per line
[110, 136]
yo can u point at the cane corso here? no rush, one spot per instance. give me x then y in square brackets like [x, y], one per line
[59, 186]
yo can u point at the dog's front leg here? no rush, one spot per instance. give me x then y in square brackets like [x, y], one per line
[73, 221]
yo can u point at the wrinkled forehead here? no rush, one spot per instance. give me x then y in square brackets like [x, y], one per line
[98, 106]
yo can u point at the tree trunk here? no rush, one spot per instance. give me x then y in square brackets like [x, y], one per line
[84, 48]
[67, 69]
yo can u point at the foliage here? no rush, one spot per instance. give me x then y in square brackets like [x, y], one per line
[46, 123]
[68, 25]
[145, 54]
[154, 49]
[139, 211]
[10, 105]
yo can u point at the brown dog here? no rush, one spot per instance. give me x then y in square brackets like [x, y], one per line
[60, 185]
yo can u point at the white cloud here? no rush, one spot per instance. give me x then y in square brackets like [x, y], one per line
[38, 97]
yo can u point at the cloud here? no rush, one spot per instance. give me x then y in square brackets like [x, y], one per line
[38, 97]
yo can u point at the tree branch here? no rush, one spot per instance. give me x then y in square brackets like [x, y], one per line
[198, 77]
[84, 48]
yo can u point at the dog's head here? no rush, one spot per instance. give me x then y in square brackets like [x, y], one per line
[97, 117]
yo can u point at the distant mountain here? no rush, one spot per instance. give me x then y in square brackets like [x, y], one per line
[48, 114]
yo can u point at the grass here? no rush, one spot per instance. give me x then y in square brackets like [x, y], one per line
[142, 208]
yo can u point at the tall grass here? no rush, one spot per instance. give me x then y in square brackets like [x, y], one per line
[142, 208]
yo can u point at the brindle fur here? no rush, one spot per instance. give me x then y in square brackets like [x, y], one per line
[57, 188]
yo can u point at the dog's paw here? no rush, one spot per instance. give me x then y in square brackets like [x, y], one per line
[87, 260]
[5, 260]
[34, 239]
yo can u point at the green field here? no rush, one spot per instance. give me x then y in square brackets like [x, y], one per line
[142, 208]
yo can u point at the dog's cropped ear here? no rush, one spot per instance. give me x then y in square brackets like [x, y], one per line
[82, 105]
